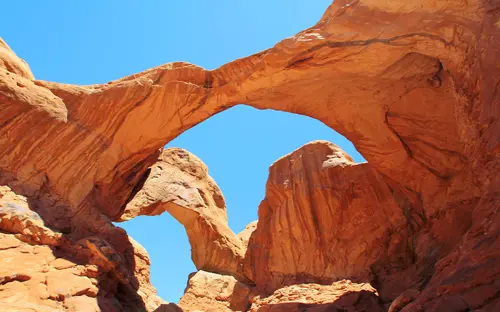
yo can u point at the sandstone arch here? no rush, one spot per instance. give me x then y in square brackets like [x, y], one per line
[369, 96]
[413, 86]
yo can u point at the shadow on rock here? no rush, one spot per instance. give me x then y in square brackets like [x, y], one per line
[45, 270]
[168, 307]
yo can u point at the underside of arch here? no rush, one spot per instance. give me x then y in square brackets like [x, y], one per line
[415, 92]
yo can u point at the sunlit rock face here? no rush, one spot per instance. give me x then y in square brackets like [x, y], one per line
[215, 293]
[325, 218]
[179, 184]
[342, 295]
[10, 62]
[218, 293]
[413, 85]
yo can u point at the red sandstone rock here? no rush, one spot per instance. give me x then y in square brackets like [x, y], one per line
[211, 292]
[44, 270]
[324, 218]
[30, 281]
[179, 183]
[414, 85]
[403, 300]
[361, 77]
[340, 296]
[244, 235]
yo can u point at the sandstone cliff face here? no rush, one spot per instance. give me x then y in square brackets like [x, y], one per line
[325, 218]
[415, 87]
[363, 78]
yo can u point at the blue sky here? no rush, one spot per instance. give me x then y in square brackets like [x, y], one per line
[86, 42]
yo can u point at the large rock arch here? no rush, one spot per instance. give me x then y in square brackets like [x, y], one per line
[413, 86]
[404, 95]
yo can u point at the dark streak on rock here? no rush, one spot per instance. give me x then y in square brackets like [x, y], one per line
[361, 43]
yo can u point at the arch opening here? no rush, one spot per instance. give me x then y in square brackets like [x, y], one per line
[238, 146]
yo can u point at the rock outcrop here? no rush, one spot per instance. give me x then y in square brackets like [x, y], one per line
[363, 79]
[44, 270]
[211, 292]
[325, 218]
[414, 86]
[179, 183]
[342, 295]
[403, 300]
[11, 63]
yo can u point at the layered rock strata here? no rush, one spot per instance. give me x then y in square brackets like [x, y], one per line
[414, 86]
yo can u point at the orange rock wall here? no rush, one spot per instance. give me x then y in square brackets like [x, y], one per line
[414, 86]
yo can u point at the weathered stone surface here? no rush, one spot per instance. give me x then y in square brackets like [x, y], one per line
[44, 270]
[17, 218]
[141, 272]
[211, 292]
[244, 235]
[343, 296]
[82, 303]
[403, 300]
[467, 278]
[11, 63]
[414, 85]
[179, 183]
[324, 218]
[363, 79]
[28, 280]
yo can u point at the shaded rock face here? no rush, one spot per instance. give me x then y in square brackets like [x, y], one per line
[414, 86]
[402, 300]
[45, 270]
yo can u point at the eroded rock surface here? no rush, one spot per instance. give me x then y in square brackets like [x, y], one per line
[324, 218]
[414, 86]
[403, 300]
[244, 235]
[13, 64]
[363, 78]
[342, 295]
[218, 293]
[179, 183]
[215, 293]
[44, 270]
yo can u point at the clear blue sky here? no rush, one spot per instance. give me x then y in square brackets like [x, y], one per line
[86, 42]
